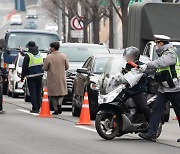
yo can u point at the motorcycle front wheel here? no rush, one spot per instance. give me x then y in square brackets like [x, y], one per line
[107, 126]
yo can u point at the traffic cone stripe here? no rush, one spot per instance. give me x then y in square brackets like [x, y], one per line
[45, 93]
[85, 105]
[45, 100]
[85, 97]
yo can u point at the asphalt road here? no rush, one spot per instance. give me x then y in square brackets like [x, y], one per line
[42, 19]
[22, 132]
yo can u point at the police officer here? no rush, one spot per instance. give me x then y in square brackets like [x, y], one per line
[139, 91]
[168, 75]
[32, 69]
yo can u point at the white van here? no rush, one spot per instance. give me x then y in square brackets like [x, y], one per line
[15, 85]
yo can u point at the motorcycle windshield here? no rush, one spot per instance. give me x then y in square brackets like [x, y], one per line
[112, 76]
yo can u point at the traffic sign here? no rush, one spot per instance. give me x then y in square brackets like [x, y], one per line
[77, 33]
[76, 23]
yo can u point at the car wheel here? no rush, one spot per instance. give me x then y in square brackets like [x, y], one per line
[5, 87]
[75, 110]
[14, 95]
[9, 93]
[26, 97]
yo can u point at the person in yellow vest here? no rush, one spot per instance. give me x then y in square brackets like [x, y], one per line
[168, 76]
[32, 69]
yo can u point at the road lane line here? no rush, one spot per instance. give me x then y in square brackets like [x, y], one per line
[27, 111]
[86, 128]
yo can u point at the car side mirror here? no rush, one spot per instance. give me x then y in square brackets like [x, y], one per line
[11, 66]
[82, 70]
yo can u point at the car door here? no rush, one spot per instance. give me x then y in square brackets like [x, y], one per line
[80, 80]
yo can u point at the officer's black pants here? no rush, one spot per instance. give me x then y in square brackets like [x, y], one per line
[141, 101]
[158, 110]
[35, 86]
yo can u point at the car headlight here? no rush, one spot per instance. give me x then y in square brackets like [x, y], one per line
[94, 86]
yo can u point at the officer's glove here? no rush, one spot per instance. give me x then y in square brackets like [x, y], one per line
[142, 68]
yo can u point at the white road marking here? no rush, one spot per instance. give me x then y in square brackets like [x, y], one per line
[86, 128]
[27, 111]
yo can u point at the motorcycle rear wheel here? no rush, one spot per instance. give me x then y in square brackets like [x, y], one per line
[104, 128]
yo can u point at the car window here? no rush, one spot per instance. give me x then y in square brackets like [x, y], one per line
[147, 49]
[87, 62]
[155, 56]
[114, 65]
[80, 54]
[42, 40]
[99, 65]
[178, 50]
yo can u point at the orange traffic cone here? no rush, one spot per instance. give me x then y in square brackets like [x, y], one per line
[85, 113]
[45, 109]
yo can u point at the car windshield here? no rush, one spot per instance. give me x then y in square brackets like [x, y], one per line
[20, 63]
[155, 56]
[16, 17]
[99, 65]
[80, 54]
[21, 39]
[112, 71]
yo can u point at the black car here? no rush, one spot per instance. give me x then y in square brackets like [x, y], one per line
[87, 80]
[77, 54]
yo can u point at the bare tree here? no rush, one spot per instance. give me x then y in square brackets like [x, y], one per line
[122, 12]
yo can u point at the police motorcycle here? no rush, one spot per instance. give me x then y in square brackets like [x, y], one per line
[117, 115]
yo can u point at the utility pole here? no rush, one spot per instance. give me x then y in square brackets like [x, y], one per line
[60, 19]
[115, 30]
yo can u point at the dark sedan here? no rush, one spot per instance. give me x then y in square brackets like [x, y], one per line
[77, 54]
[87, 79]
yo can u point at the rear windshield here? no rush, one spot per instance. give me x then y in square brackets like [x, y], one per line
[80, 54]
[42, 40]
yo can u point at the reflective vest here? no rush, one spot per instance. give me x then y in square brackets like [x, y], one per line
[177, 66]
[35, 65]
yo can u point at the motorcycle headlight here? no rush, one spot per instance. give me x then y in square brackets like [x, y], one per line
[94, 86]
[110, 96]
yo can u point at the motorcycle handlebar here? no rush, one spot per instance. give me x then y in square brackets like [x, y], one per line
[133, 64]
